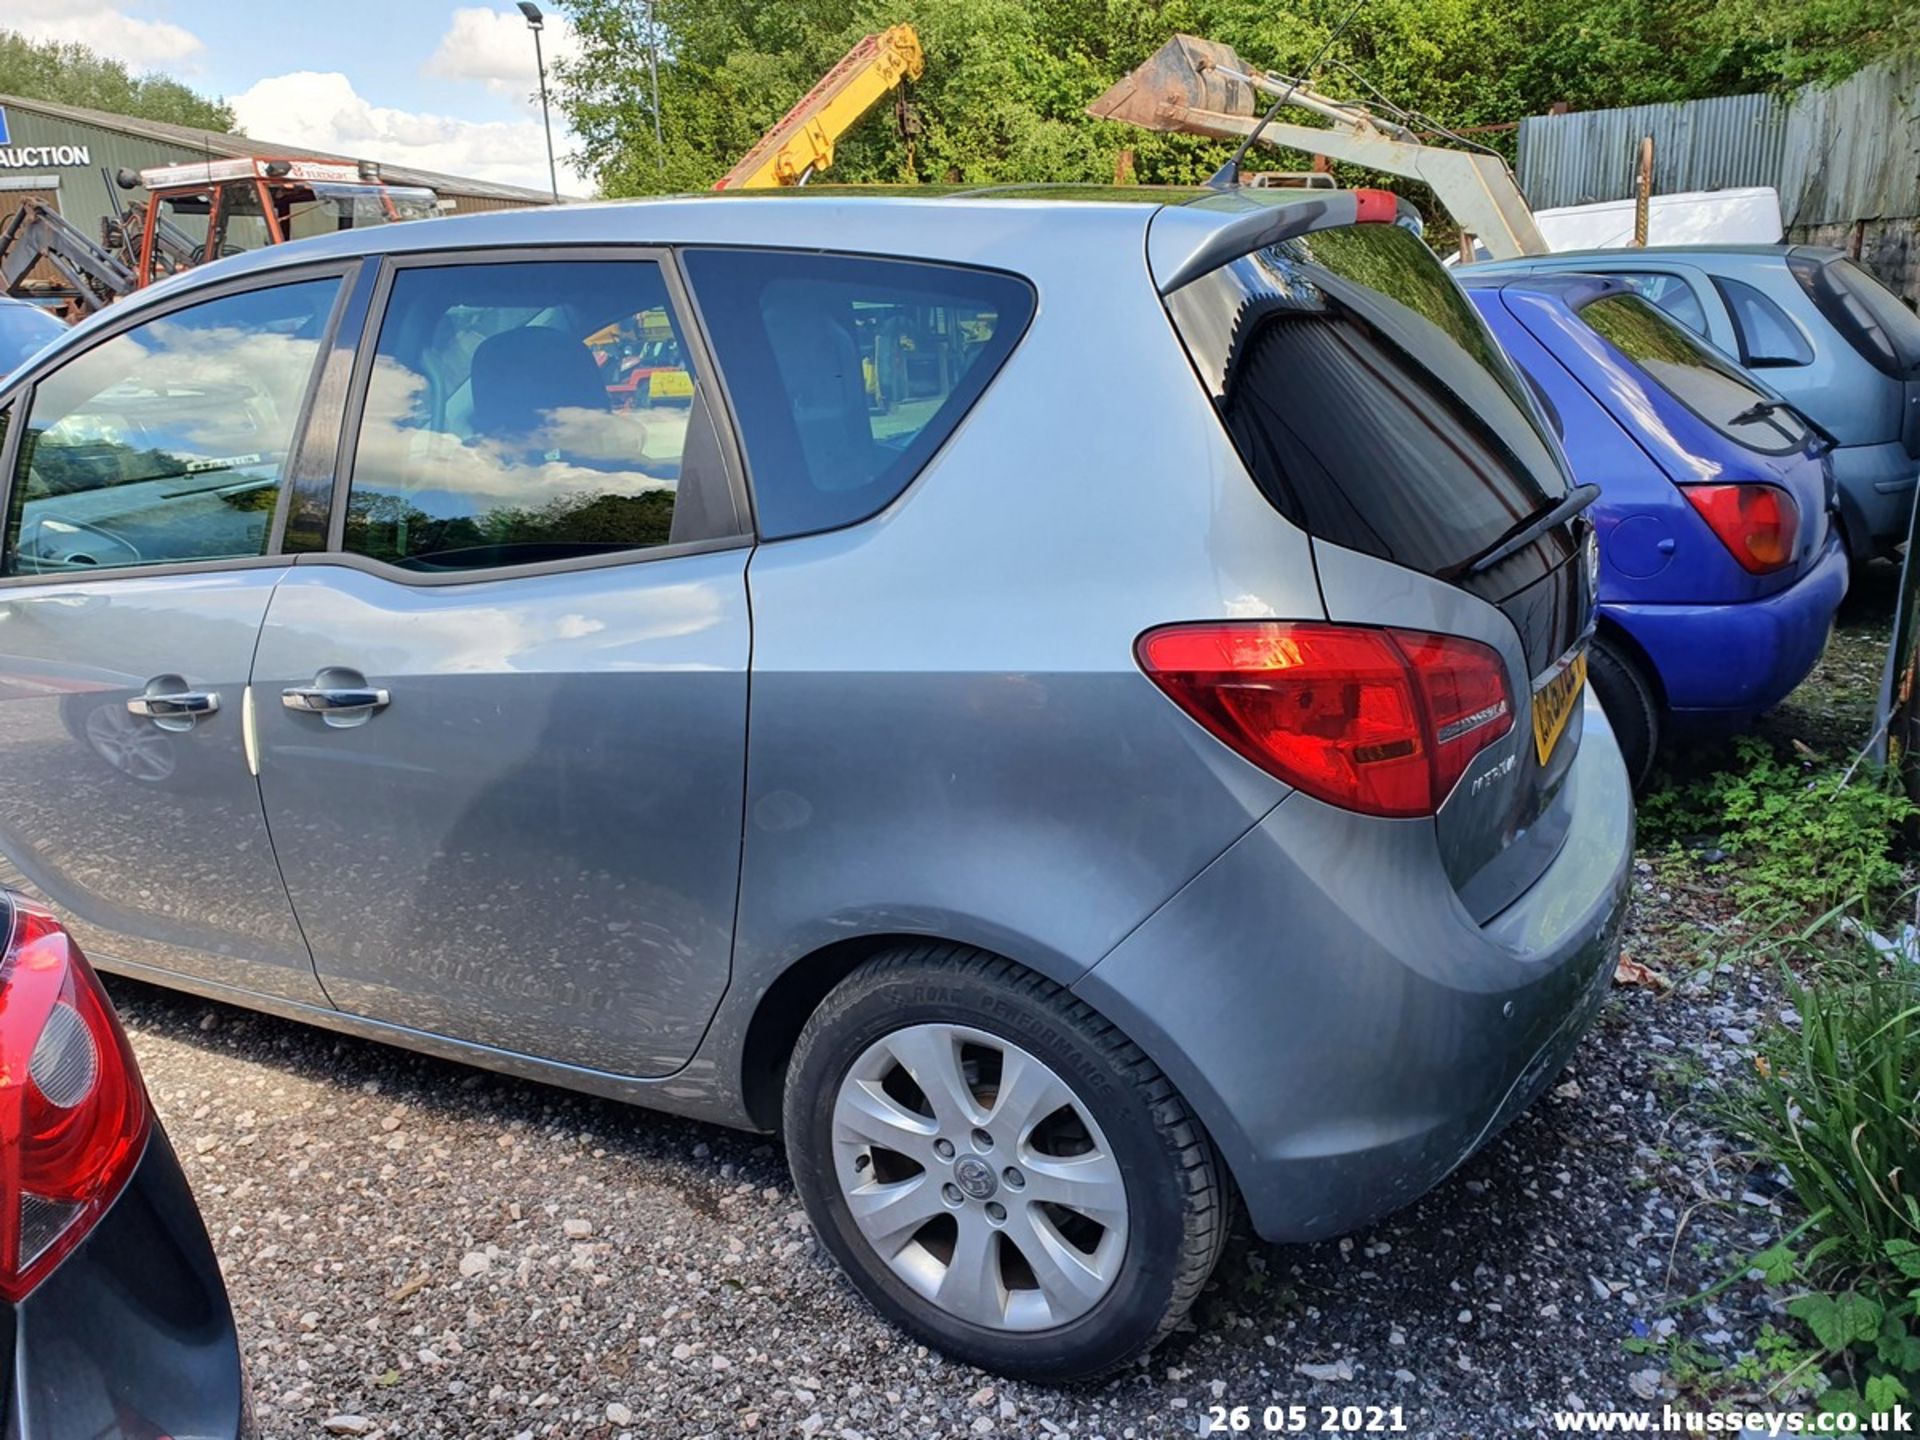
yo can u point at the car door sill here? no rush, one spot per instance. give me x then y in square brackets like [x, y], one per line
[680, 1093]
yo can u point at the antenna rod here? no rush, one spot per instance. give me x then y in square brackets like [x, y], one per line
[1228, 175]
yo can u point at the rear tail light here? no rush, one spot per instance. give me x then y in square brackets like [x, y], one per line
[73, 1113]
[1380, 721]
[1758, 523]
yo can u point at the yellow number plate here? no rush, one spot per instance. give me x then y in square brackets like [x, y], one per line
[1553, 705]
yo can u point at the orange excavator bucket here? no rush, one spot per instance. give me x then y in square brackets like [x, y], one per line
[1183, 75]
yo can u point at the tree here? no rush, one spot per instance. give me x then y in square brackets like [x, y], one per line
[1007, 81]
[75, 75]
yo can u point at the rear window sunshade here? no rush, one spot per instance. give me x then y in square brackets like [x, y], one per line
[1368, 400]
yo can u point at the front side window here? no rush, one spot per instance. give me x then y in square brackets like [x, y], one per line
[24, 329]
[1767, 337]
[167, 443]
[1695, 374]
[846, 372]
[1669, 293]
[531, 412]
[1368, 400]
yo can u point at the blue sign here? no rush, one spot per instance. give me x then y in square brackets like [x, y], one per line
[3, 128]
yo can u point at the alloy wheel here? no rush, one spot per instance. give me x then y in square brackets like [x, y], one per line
[979, 1177]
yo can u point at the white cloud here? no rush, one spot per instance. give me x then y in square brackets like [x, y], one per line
[325, 112]
[142, 43]
[494, 47]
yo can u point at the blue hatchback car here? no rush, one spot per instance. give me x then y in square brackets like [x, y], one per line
[1720, 564]
[1819, 329]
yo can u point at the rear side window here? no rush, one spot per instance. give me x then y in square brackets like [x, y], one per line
[846, 373]
[1767, 336]
[168, 442]
[526, 413]
[1870, 316]
[1695, 375]
[1671, 294]
[1368, 400]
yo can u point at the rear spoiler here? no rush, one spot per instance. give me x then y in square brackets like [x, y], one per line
[1185, 242]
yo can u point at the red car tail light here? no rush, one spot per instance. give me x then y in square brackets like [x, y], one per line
[1758, 523]
[1375, 720]
[73, 1111]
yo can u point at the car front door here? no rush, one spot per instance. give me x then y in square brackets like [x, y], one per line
[502, 716]
[145, 474]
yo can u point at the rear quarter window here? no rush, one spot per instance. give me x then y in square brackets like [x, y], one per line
[846, 373]
[1368, 400]
[1766, 334]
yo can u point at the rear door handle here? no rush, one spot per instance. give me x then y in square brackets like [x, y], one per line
[182, 704]
[333, 699]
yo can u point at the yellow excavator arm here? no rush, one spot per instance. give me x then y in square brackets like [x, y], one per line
[801, 145]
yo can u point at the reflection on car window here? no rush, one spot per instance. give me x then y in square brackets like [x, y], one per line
[167, 442]
[1766, 335]
[520, 413]
[24, 329]
[1367, 399]
[1695, 374]
[847, 373]
[1671, 294]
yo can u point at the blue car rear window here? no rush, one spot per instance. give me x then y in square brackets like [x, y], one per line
[1695, 375]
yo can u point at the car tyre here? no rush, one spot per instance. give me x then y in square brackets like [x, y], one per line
[935, 1067]
[1631, 708]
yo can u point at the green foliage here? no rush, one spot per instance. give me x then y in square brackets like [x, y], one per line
[1007, 82]
[75, 75]
[1803, 842]
[1834, 1105]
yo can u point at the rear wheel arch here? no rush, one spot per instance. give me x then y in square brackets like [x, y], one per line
[789, 1001]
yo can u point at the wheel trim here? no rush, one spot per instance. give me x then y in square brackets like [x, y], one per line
[901, 1171]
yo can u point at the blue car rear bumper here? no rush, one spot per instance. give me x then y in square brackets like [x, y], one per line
[1730, 662]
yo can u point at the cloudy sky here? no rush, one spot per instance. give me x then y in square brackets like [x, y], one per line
[417, 82]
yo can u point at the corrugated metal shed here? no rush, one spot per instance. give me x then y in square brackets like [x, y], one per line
[1853, 151]
[1590, 155]
[140, 137]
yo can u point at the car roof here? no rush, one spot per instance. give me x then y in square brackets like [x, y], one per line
[983, 225]
[1654, 252]
[1572, 287]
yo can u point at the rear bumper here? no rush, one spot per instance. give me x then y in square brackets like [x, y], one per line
[1875, 485]
[132, 1335]
[1343, 1028]
[1734, 661]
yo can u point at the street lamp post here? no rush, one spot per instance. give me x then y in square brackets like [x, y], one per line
[536, 22]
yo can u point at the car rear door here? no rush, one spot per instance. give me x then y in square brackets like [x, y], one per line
[147, 470]
[504, 696]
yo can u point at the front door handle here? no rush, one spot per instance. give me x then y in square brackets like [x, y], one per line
[333, 699]
[181, 704]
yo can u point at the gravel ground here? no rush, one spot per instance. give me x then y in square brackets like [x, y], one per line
[419, 1249]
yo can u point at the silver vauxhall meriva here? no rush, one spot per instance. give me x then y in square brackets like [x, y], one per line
[1068, 711]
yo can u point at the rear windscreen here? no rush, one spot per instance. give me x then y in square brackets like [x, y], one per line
[1695, 375]
[1870, 316]
[1368, 400]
